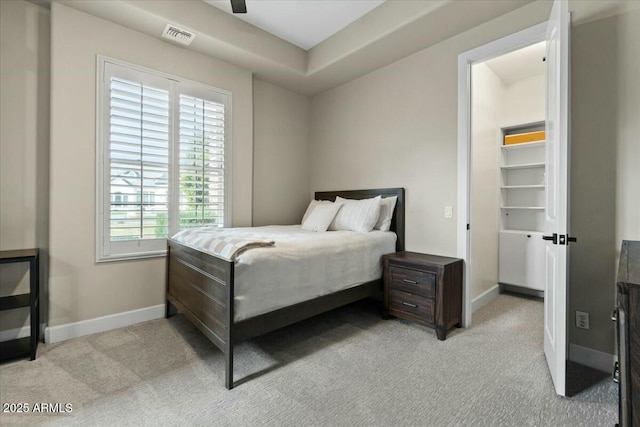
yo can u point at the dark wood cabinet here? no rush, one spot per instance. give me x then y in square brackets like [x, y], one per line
[27, 345]
[627, 316]
[425, 289]
[634, 352]
[628, 370]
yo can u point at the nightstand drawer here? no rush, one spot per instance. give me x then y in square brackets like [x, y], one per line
[413, 281]
[411, 306]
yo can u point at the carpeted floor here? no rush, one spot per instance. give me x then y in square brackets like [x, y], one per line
[344, 368]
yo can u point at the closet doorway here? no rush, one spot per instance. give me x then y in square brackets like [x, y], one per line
[531, 168]
[484, 115]
[507, 180]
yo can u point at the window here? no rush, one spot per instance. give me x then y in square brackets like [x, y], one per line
[201, 162]
[163, 157]
[147, 197]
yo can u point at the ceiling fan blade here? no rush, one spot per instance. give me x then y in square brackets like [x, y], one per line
[238, 6]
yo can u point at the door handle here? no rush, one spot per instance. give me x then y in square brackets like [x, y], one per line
[553, 238]
[565, 239]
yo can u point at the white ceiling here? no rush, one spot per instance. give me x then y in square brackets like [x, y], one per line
[305, 23]
[519, 64]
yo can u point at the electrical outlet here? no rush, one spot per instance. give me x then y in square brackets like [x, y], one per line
[582, 319]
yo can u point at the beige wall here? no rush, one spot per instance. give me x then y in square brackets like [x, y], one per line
[80, 288]
[281, 143]
[397, 127]
[24, 144]
[524, 101]
[487, 111]
[605, 177]
[628, 124]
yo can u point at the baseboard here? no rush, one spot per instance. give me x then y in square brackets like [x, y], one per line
[12, 334]
[485, 298]
[506, 288]
[592, 358]
[101, 324]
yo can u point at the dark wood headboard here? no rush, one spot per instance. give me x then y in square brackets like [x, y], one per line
[397, 222]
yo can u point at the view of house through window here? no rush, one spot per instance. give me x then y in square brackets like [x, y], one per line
[164, 160]
[139, 160]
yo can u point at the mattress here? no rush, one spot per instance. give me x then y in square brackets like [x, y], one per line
[303, 265]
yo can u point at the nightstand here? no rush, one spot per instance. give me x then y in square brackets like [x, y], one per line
[425, 289]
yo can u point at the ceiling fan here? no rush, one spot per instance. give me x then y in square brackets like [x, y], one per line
[238, 6]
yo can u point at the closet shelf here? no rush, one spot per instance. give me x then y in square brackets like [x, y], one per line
[518, 231]
[523, 145]
[509, 187]
[521, 250]
[523, 166]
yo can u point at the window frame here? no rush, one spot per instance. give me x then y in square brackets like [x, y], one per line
[107, 250]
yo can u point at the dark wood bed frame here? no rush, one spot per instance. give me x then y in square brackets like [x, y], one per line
[201, 286]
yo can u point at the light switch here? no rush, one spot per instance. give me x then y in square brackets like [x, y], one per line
[448, 211]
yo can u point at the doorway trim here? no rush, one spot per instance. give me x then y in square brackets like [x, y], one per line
[507, 44]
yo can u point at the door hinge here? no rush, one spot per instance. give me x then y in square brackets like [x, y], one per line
[468, 226]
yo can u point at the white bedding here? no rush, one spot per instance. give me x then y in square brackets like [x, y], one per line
[303, 265]
[225, 243]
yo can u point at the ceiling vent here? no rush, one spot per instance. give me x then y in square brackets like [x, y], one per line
[178, 35]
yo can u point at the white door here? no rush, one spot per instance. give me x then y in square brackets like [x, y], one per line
[557, 176]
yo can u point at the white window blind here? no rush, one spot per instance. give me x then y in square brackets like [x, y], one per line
[201, 162]
[162, 162]
[138, 161]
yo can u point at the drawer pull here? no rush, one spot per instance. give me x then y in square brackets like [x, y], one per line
[413, 282]
[409, 304]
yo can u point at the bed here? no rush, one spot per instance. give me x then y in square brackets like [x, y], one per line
[202, 287]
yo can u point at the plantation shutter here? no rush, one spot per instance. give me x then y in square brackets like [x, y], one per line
[138, 160]
[162, 161]
[201, 161]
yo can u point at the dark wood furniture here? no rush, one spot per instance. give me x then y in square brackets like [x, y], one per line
[634, 352]
[426, 289]
[627, 315]
[201, 286]
[27, 345]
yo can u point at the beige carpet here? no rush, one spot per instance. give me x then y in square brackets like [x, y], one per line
[347, 367]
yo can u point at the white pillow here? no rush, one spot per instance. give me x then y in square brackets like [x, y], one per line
[357, 215]
[312, 206]
[321, 216]
[387, 205]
